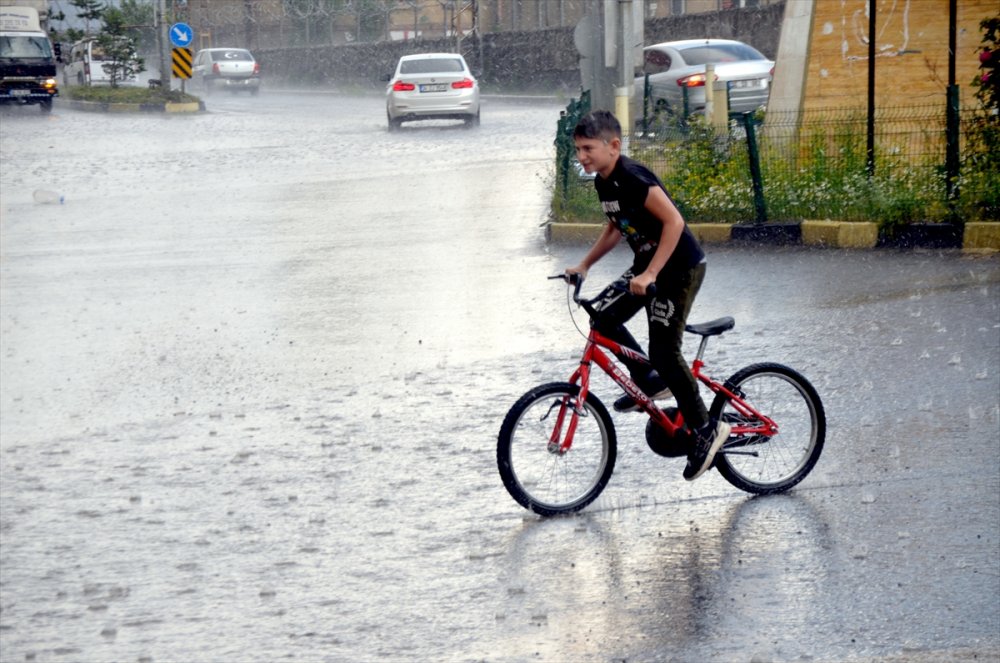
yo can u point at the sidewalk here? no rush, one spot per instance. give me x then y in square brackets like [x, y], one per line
[974, 237]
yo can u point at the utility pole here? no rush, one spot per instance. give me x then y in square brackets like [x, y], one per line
[159, 27]
[608, 38]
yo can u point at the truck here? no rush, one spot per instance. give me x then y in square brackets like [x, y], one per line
[27, 59]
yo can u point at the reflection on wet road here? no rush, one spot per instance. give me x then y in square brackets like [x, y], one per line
[253, 371]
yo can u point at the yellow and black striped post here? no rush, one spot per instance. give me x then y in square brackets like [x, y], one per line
[182, 59]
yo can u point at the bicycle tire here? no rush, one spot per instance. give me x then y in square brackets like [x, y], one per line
[764, 466]
[546, 481]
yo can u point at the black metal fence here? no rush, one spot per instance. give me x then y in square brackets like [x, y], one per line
[773, 167]
[565, 148]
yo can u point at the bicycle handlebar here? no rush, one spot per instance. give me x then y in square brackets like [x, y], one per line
[576, 280]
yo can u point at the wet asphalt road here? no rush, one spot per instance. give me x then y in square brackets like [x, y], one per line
[253, 370]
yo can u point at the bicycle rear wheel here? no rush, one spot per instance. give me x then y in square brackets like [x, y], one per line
[536, 473]
[771, 464]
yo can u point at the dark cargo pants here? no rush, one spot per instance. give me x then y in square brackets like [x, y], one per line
[667, 314]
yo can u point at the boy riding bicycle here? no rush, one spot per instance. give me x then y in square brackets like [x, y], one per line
[666, 253]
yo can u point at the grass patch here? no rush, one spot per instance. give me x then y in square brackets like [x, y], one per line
[127, 95]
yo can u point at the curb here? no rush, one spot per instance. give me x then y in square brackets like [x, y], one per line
[167, 107]
[976, 237]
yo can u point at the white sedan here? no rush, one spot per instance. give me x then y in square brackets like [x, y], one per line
[432, 86]
[676, 67]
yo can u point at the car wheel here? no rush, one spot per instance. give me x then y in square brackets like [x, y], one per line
[45, 106]
[394, 124]
[472, 121]
[207, 85]
[254, 91]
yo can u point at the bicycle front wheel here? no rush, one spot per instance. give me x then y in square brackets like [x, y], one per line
[764, 464]
[537, 472]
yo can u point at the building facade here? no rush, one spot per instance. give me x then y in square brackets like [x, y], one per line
[285, 23]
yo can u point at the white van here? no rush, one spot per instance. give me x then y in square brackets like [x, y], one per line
[85, 65]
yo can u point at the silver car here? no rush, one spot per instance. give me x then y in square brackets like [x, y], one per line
[432, 86]
[676, 66]
[229, 68]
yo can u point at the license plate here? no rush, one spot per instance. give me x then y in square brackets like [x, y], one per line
[20, 93]
[437, 87]
[751, 84]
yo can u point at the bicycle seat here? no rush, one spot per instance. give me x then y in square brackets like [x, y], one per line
[711, 328]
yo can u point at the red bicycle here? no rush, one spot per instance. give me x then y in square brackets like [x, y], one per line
[557, 445]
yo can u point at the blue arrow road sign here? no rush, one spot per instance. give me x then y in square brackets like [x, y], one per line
[181, 34]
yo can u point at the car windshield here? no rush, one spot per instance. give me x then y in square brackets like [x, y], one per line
[718, 53]
[231, 56]
[431, 66]
[25, 47]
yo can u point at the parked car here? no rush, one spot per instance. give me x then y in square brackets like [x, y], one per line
[676, 66]
[432, 86]
[85, 65]
[228, 68]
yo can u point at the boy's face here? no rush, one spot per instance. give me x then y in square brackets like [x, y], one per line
[597, 155]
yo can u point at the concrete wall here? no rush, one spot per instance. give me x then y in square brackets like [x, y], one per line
[532, 61]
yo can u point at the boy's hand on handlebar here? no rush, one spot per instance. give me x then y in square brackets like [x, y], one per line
[639, 284]
[574, 273]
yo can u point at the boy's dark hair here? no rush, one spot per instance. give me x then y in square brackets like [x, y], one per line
[598, 124]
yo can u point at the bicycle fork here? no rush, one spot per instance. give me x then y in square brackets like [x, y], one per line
[558, 444]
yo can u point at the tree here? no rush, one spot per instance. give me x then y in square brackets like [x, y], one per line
[88, 10]
[139, 21]
[119, 47]
[982, 147]
[988, 80]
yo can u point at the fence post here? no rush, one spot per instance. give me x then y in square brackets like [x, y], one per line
[760, 209]
[951, 141]
[568, 119]
[562, 154]
[646, 91]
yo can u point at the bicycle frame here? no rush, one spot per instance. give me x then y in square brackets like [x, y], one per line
[754, 424]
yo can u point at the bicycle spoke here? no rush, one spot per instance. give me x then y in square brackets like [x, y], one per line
[771, 463]
[538, 472]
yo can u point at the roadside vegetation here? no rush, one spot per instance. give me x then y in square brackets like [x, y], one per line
[815, 167]
[125, 30]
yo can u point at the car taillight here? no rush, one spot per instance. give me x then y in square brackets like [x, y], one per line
[694, 80]
[256, 67]
[215, 67]
[400, 86]
[463, 84]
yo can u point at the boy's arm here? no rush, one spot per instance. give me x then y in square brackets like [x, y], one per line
[660, 206]
[607, 241]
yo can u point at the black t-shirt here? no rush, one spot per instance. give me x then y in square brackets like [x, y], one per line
[623, 199]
